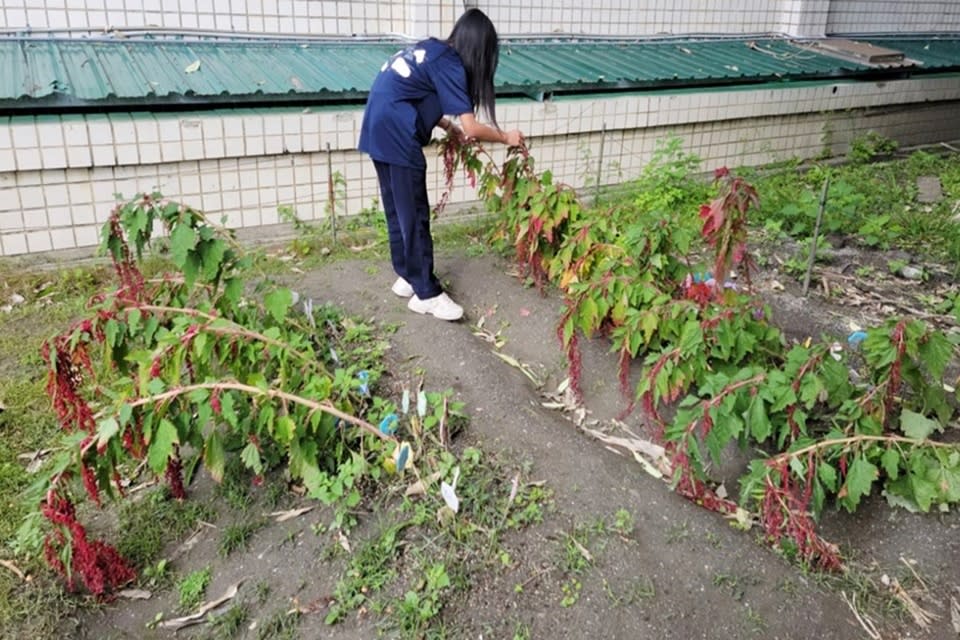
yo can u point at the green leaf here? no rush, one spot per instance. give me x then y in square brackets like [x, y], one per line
[106, 429]
[215, 456]
[860, 477]
[161, 446]
[111, 330]
[183, 238]
[212, 255]
[124, 415]
[589, 316]
[190, 268]
[251, 457]
[133, 320]
[917, 426]
[227, 410]
[284, 429]
[758, 420]
[890, 460]
[827, 475]
[691, 337]
[156, 386]
[278, 302]
[232, 291]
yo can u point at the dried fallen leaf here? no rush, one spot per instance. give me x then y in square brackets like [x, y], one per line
[12, 567]
[35, 458]
[135, 594]
[343, 541]
[193, 67]
[201, 613]
[582, 549]
[283, 516]
[955, 614]
[419, 487]
[363, 247]
[525, 369]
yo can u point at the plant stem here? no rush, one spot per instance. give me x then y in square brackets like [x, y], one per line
[324, 407]
[239, 330]
[825, 444]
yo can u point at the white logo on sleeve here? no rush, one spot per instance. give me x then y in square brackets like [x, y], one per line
[400, 66]
[400, 62]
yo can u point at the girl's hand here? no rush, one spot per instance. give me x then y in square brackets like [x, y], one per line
[513, 138]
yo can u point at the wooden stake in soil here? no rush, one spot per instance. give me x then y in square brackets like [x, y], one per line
[603, 135]
[816, 235]
[331, 200]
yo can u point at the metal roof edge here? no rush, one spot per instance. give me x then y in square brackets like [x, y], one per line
[59, 75]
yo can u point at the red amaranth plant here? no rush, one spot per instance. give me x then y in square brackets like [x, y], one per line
[786, 514]
[69, 551]
[158, 364]
[725, 225]
[458, 153]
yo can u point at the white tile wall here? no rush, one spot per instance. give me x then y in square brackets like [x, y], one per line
[244, 164]
[896, 16]
[315, 17]
[629, 18]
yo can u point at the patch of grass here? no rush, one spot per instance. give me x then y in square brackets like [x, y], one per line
[733, 584]
[280, 625]
[157, 576]
[623, 522]
[36, 609]
[418, 609]
[678, 532]
[191, 588]
[235, 487]
[521, 631]
[237, 536]
[575, 557]
[713, 539]
[637, 589]
[754, 620]
[262, 591]
[369, 570]
[529, 507]
[872, 598]
[230, 623]
[145, 526]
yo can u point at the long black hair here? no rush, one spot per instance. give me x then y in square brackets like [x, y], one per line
[475, 40]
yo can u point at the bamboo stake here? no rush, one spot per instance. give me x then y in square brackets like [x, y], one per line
[816, 235]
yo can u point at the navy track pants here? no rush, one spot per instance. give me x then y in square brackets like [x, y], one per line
[407, 208]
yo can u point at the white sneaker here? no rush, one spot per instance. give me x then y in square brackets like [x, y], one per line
[402, 288]
[440, 306]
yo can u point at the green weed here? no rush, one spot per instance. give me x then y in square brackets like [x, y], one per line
[237, 536]
[623, 522]
[637, 589]
[280, 625]
[230, 623]
[191, 588]
[418, 609]
[571, 592]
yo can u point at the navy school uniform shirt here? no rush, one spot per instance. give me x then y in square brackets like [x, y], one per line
[412, 92]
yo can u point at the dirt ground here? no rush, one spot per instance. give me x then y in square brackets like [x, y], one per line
[683, 572]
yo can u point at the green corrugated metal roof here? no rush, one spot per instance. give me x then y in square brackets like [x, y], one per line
[88, 73]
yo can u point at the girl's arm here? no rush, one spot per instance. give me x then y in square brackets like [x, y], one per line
[484, 133]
